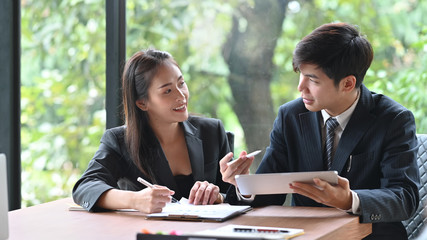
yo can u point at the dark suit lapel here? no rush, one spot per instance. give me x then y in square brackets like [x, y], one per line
[163, 172]
[195, 147]
[311, 144]
[358, 124]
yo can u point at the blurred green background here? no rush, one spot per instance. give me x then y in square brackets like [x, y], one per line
[235, 56]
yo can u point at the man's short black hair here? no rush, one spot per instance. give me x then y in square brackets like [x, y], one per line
[338, 49]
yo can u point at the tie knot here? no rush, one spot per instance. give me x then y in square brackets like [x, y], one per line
[331, 124]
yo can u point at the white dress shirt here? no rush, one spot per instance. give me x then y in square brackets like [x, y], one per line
[342, 119]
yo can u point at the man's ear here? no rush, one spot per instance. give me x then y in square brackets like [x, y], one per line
[348, 83]
[141, 104]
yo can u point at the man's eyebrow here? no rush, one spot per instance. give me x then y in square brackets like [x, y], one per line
[311, 76]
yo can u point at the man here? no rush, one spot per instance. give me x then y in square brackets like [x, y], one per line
[372, 146]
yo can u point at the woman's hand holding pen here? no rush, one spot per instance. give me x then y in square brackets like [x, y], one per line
[203, 193]
[239, 166]
[151, 200]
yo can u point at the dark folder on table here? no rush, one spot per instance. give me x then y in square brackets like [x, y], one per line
[141, 236]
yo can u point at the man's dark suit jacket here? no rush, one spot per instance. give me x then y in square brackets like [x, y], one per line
[379, 139]
[112, 167]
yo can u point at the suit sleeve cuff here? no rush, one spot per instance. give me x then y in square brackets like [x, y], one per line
[355, 206]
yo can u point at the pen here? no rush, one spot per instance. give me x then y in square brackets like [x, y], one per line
[254, 153]
[146, 183]
[349, 163]
[260, 230]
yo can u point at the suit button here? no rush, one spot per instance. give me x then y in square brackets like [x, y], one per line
[375, 217]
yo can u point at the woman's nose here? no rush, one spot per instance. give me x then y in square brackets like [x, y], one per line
[180, 96]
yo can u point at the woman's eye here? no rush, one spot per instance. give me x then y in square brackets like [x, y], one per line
[182, 83]
[168, 91]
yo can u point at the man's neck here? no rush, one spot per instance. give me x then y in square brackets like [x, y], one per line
[347, 103]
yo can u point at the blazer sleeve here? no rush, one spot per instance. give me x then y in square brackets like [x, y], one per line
[102, 173]
[224, 149]
[215, 146]
[272, 162]
[397, 197]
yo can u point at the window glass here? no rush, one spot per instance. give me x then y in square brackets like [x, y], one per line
[236, 56]
[62, 94]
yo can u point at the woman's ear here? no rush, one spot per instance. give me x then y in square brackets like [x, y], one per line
[141, 104]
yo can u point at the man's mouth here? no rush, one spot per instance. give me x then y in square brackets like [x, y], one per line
[307, 100]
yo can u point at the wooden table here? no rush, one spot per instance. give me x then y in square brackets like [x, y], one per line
[53, 220]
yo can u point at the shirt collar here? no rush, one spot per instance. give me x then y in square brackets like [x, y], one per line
[344, 117]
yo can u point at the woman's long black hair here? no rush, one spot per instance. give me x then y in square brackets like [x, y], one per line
[138, 74]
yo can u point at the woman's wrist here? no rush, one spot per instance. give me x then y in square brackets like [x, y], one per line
[116, 199]
[131, 200]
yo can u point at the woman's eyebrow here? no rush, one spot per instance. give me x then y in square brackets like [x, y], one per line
[168, 84]
[164, 85]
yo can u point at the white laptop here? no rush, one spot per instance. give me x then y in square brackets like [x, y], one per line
[278, 183]
[4, 206]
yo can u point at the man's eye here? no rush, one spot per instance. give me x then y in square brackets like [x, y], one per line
[168, 91]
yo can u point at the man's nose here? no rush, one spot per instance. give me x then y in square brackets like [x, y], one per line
[301, 84]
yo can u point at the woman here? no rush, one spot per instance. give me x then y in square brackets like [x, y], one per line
[160, 142]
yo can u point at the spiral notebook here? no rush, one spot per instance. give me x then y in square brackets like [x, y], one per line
[230, 232]
[250, 232]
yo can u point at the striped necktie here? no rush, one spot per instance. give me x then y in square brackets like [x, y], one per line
[331, 125]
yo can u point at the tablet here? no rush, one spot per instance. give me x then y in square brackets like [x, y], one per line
[277, 183]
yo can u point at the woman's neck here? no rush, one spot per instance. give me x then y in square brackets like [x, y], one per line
[167, 133]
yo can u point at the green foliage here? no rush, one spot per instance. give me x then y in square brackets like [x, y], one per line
[170, 25]
[63, 68]
[397, 32]
[63, 84]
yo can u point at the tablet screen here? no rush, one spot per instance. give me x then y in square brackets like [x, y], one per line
[278, 183]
